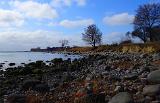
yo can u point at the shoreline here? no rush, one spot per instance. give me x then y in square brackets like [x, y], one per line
[15, 58]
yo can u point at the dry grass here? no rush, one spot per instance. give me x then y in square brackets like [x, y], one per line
[144, 48]
[131, 48]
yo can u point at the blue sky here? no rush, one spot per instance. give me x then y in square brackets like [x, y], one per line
[40, 23]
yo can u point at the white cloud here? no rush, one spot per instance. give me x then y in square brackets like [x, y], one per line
[24, 40]
[81, 2]
[35, 9]
[52, 24]
[117, 37]
[113, 37]
[76, 23]
[119, 19]
[60, 3]
[10, 18]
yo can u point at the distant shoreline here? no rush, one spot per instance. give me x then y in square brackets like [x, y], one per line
[15, 51]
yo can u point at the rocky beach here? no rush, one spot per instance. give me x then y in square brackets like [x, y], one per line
[80, 51]
[106, 77]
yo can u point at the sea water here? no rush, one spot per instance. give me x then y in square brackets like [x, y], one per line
[26, 57]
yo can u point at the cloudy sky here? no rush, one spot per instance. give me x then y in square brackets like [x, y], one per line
[41, 23]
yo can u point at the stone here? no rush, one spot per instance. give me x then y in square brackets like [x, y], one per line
[148, 99]
[89, 88]
[151, 90]
[156, 56]
[131, 76]
[154, 77]
[118, 89]
[122, 97]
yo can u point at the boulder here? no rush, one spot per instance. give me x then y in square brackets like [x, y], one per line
[154, 77]
[122, 97]
[151, 90]
[30, 84]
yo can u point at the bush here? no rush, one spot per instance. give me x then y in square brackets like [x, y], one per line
[126, 42]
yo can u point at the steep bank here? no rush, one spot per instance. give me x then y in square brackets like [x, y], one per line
[125, 48]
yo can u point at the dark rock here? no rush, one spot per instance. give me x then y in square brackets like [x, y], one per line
[42, 88]
[30, 84]
[144, 55]
[122, 97]
[57, 60]
[154, 77]
[12, 64]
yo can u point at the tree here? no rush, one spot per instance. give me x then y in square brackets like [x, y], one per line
[126, 39]
[146, 20]
[64, 43]
[92, 35]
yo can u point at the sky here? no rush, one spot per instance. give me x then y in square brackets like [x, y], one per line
[25, 24]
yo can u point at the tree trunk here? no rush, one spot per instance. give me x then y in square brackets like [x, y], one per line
[151, 36]
[94, 44]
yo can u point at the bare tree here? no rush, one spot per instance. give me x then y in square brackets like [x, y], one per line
[92, 35]
[64, 43]
[146, 19]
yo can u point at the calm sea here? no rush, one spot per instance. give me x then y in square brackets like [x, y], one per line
[26, 57]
